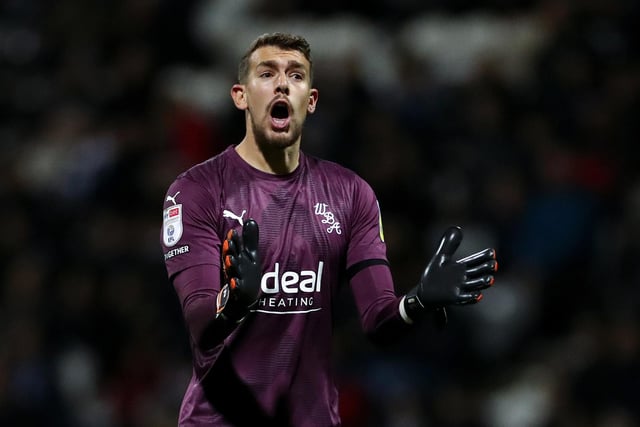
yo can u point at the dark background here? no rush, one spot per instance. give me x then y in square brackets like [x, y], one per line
[516, 120]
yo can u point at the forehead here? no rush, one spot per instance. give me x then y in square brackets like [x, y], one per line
[274, 54]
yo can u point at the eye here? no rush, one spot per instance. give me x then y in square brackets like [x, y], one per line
[266, 74]
[297, 76]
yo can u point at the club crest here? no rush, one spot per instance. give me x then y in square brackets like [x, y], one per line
[172, 225]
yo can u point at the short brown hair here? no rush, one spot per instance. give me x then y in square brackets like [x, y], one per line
[285, 41]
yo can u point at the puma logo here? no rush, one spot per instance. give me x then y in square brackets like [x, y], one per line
[228, 214]
[172, 199]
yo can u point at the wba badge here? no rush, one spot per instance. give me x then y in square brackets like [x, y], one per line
[172, 225]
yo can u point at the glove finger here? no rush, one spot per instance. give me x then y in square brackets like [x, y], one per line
[482, 269]
[250, 237]
[449, 244]
[229, 246]
[478, 257]
[478, 283]
[470, 298]
[231, 266]
[234, 238]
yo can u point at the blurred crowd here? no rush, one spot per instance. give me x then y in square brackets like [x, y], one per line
[514, 119]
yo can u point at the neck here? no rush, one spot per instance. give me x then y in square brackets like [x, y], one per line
[276, 160]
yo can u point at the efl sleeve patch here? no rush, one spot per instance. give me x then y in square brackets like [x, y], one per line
[172, 225]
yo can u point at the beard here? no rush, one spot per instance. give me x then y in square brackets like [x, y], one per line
[267, 139]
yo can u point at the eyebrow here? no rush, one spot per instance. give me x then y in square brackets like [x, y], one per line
[274, 64]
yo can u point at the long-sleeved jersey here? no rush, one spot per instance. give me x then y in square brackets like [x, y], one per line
[319, 226]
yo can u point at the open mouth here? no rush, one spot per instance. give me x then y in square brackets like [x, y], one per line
[280, 115]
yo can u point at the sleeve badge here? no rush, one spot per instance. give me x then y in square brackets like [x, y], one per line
[172, 225]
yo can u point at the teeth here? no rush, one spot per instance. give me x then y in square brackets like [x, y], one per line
[280, 123]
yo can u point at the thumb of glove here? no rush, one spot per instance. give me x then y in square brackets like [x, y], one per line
[448, 245]
[250, 238]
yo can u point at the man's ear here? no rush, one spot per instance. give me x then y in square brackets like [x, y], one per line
[313, 100]
[239, 96]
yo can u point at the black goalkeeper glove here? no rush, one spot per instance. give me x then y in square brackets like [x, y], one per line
[447, 282]
[242, 273]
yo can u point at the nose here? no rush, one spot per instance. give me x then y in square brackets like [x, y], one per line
[282, 85]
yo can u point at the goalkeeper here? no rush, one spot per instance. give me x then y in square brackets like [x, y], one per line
[256, 241]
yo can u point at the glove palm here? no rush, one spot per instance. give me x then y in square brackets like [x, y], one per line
[242, 272]
[446, 282]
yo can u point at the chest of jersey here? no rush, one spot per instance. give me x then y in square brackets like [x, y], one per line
[303, 229]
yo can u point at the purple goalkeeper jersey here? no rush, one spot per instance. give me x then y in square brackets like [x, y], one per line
[315, 224]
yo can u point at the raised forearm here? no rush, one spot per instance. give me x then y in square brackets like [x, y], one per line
[378, 304]
[197, 291]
